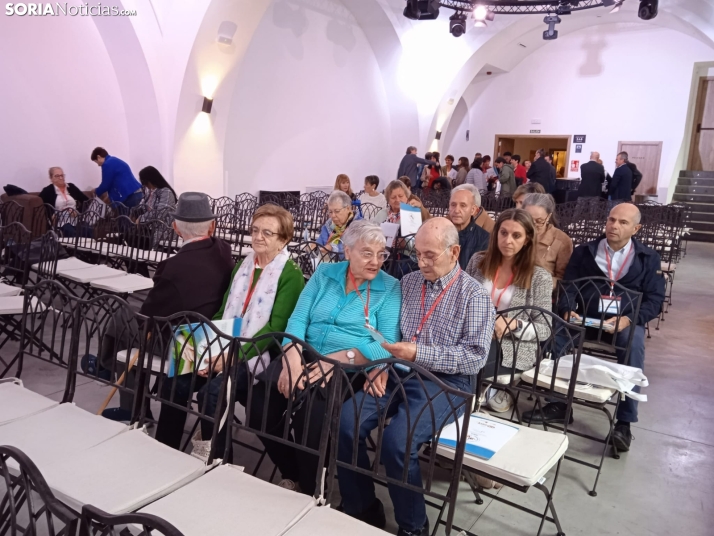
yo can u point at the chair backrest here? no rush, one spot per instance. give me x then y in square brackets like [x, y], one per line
[402, 259]
[588, 297]
[48, 249]
[301, 402]
[309, 255]
[10, 212]
[178, 348]
[543, 338]
[404, 377]
[96, 522]
[369, 210]
[28, 505]
[15, 242]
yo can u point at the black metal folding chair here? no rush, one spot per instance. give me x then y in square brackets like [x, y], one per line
[28, 505]
[524, 461]
[98, 523]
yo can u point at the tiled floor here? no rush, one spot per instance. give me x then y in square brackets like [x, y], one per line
[663, 486]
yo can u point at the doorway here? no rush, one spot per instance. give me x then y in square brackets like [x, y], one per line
[701, 153]
[646, 156]
[526, 146]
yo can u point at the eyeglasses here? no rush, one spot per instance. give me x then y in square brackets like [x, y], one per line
[540, 222]
[382, 256]
[58, 176]
[429, 261]
[335, 212]
[267, 233]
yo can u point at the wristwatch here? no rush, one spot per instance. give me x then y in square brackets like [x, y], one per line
[351, 357]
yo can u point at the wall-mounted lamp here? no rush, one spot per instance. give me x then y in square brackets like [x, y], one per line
[438, 134]
[207, 105]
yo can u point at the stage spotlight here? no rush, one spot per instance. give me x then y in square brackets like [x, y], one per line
[551, 33]
[648, 9]
[482, 14]
[457, 24]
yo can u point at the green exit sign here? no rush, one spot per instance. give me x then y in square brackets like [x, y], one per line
[535, 131]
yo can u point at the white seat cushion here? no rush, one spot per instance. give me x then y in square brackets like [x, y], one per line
[87, 275]
[9, 290]
[12, 305]
[58, 432]
[72, 263]
[590, 393]
[667, 267]
[226, 501]
[325, 520]
[155, 362]
[122, 474]
[16, 402]
[125, 283]
[528, 456]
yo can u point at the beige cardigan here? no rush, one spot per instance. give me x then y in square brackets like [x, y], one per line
[539, 295]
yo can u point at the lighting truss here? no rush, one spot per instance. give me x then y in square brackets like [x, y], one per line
[518, 7]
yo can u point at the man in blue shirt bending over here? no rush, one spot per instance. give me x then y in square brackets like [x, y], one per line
[118, 182]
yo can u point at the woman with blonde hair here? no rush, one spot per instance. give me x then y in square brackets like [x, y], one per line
[343, 184]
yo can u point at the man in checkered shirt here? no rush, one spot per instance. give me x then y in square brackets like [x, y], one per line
[447, 323]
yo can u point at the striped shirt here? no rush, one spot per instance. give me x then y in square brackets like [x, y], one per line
[457, 336]
[330, 320]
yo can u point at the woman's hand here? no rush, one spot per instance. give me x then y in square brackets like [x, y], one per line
[319, 373]
[292, 374]
[215, 365]
[375, 384]
[500, 327]
[416, 202]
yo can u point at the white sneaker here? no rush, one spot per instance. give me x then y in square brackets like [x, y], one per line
[290, 485]
[501, 402]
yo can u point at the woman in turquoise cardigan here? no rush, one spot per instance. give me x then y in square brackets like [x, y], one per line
[330, 316]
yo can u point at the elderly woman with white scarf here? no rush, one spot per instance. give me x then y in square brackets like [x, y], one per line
[264, 291]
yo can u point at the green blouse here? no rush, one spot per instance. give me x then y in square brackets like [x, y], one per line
[290, 285]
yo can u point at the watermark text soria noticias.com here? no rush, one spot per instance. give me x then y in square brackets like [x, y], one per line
[59, 9]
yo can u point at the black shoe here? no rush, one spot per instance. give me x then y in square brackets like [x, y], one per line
[553, 412]
[423, 532]
[622, 437]
[117, 414]
[374, 515]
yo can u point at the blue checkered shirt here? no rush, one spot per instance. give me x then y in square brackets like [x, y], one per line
[457, 336]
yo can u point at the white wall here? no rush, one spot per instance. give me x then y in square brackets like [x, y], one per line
[621, 82]
[59, 100]
[309, 104]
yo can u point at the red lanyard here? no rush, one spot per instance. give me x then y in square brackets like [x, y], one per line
[622, 266]
[250, 291]
[496, 303]
[366, 305]
[426, 316]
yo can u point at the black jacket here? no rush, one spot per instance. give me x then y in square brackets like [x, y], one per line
[49, 196]
[195, 279]
[472, 239]
[621, 184]
[636, 176]
[408, 167]
[540, 172]
[592, 175]
[644, 276]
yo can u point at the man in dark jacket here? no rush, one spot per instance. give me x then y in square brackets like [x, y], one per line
[195, 280]
[540, 171]
[621, 183]
[636, 176]
[463, 205]
[619, 257]
[592, 176]
[408, 166]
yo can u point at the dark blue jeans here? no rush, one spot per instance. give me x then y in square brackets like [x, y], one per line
[358, 490]
[130, 202]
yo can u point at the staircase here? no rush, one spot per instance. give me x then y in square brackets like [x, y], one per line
[696, 188]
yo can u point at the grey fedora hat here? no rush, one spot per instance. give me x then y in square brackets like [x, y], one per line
[193, 207]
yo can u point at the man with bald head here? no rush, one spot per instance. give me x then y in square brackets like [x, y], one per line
[447, 322]
[592, 177]
[619, 257]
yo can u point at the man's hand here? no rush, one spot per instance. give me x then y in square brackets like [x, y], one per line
[402, 350]
[319, 372]
[378, 384]
[500, 327]
[292, 374]
[571, 314]
[623, 324]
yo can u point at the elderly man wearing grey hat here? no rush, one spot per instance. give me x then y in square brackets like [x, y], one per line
[195, 279]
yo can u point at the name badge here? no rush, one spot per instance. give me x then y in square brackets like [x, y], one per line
[610, 305]
[376, 335]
